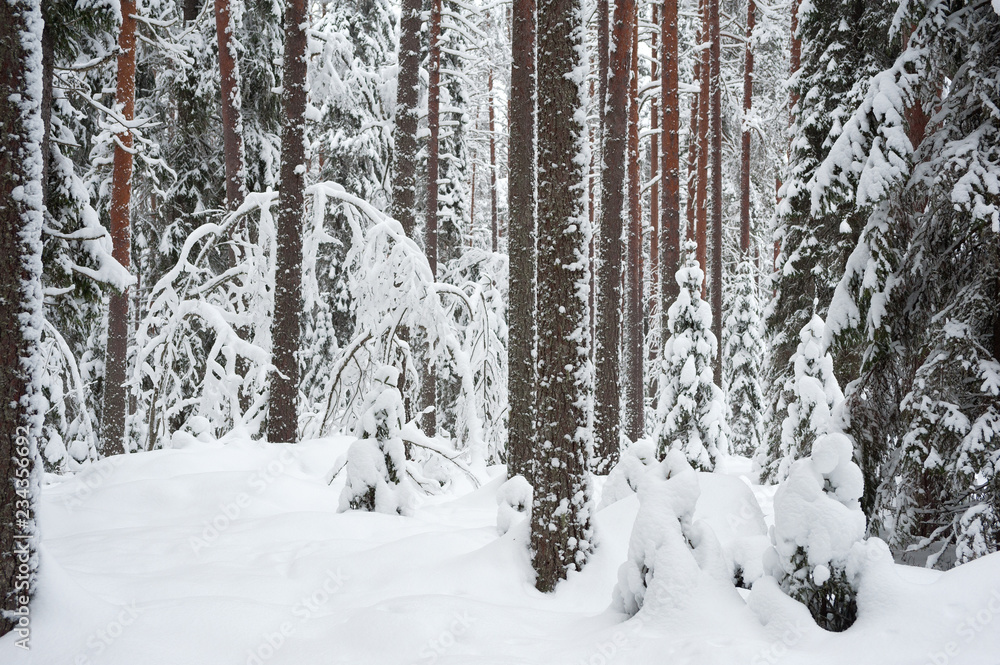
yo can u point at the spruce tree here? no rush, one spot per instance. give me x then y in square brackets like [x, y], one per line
[691, 413]
[744, 358]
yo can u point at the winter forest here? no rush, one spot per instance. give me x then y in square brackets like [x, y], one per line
[522, 331]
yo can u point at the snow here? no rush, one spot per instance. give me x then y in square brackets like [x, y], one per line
[284, 578]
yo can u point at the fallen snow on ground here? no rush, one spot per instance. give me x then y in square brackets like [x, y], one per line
[236, 555]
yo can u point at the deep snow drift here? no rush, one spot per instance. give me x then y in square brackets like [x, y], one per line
[236, 554]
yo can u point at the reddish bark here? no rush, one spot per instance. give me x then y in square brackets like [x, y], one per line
[795, 60]
[654, 190]
[715, 53]
[701, 194]
[232, 124]
[670, 231]
[116, 355]
[607, 413]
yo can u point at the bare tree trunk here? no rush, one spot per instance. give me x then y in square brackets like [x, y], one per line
[653, 307]
[493, 170]
[521, 243]
[428, 379]
[21, 158]
[283, 407]
[715, 74]
[633, 356]
[670, 242]
[561, 534]
[116, 355]
[745, 137]
[607, 401]
[701, 207]
[232, 103]
[404, 172]
[795, 61]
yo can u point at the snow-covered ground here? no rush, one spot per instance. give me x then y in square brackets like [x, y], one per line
[236, 554]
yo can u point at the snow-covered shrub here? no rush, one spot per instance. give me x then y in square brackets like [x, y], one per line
[376, 462]
[513, 503]
[691, 413]
[743, 359]
[667, 499]
[813, 394]
[817, 521]
[625, 477]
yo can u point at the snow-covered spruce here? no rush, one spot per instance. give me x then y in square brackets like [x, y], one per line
[626, 476]
[813, 394]
[744, 358]
[376, 462]
[691, 414]
[817, 522]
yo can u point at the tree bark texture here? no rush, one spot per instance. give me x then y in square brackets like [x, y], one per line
[652, 307]
[560, 519]
[670, 241]
[283, 407]
[701, 194]
[20, 300]
[607, 401]
[521, 242]
[115, 408]
[494, 225]
[633, 351]
[745, 135]
[715, 74]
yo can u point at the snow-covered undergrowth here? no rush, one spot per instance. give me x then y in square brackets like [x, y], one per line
[237, 554]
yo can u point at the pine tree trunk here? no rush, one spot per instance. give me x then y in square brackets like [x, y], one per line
[404, 172]
[795, 60]
[521, 242]
[607, 402]
[116, 354]
[232, 123]
[428, 379]
[494, 228]
[283, 408]
[560, 516]
[745, 137]
[20, 306]
[701, 194]
[715, 74]
[670, 241]
[633, 356]
[652, 306]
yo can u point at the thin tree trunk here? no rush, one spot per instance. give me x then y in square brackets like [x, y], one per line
[715, 74]
[670, 243]
[561, 534]
[701, 207]
[607, 401]
[21, 158]
[116, 355]
[521, 242]
[48, 70]
[633, 356]
[428, 379]
[653, 308]
[745, 138]
[692, 160]
[232, 103]
[404, 172]
[493, 170]
[283, 412]
[795, 60]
